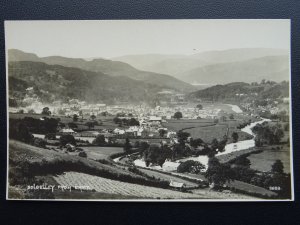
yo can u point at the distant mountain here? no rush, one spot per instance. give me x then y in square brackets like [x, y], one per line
[238, 91]
[275, 68]
[109, 67]
[55, 82]
[180, 66]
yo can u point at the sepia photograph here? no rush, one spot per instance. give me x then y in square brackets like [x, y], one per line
[149, 110]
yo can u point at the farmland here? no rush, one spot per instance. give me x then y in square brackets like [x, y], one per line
[263, 161]
[177, 125]
[218, 131]
[163, 176]
[103, 185]
[97, 153]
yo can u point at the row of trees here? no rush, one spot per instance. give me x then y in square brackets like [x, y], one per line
[126, 122]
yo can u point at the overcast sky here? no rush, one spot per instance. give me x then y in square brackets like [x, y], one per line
[111, 38]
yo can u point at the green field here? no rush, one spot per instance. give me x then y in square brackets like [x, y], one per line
[177, 125]
[107, 121]
[166, 177]
[263, 161]
[97, 153]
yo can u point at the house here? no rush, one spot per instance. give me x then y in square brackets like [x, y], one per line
[67, 131]
[118, 131]
[156, 119]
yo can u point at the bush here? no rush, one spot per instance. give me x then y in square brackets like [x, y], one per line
[38, 142]
[67, 139]
[82, 154]
[50, 136]
[190, 166]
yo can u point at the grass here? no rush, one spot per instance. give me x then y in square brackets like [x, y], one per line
[250, 189]
[168, 178]
[263, 161]
[117, 188]
[177, 125]
[97, 153]
[26, 162]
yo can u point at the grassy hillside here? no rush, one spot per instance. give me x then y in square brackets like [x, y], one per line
[54, 82]
[109, 67]
[232, 91]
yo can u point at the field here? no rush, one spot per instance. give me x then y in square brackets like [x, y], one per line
[107, 121]
[176, 125]
[52, 162]
[166, 177]
[264, 160]
[97, 153]
[108, 186]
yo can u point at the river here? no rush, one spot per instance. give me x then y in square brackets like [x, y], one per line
[232, 147]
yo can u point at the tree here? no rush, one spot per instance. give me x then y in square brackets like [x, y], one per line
[93, 117]
[18, 130]
[155, 154]
[182, 137]
[67, 139]
[235, 137]
[39, 142]
[231, 116]
[143, 146]
[199, 106]
[190, 166]
[31, 111]
[90, 124]
[117, 120]
[75, 118]
[218, 174]
[72, 125]
[277, 167]
[243, 161]
[46, 111]
[133, 122]
[127, 146]
[99, 140]
[196, 142]
[50, 136]
[162, 132]
[177, 115]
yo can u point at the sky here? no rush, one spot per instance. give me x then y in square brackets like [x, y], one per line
[113, 38]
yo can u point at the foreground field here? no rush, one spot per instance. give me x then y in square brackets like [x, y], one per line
[116, 187]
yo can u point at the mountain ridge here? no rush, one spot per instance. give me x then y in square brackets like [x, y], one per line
[109, 67]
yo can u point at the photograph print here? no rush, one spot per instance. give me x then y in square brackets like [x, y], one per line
[149, 110]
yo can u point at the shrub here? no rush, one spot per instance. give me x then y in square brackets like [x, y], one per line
[38, 142]
[67, 139]
[82, 154]
[50, 136]
[190, 166]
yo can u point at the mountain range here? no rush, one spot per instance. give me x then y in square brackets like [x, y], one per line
[54, 82]
[215, 67]
[109, 67]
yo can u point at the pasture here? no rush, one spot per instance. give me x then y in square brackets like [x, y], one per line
[97, 153]
[263, 161]
[103, 185]
[177, 125]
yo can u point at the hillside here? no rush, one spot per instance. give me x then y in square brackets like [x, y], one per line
[275, 68]
[54, 82]
[180, 66]
[109, 67]
[243, 91]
